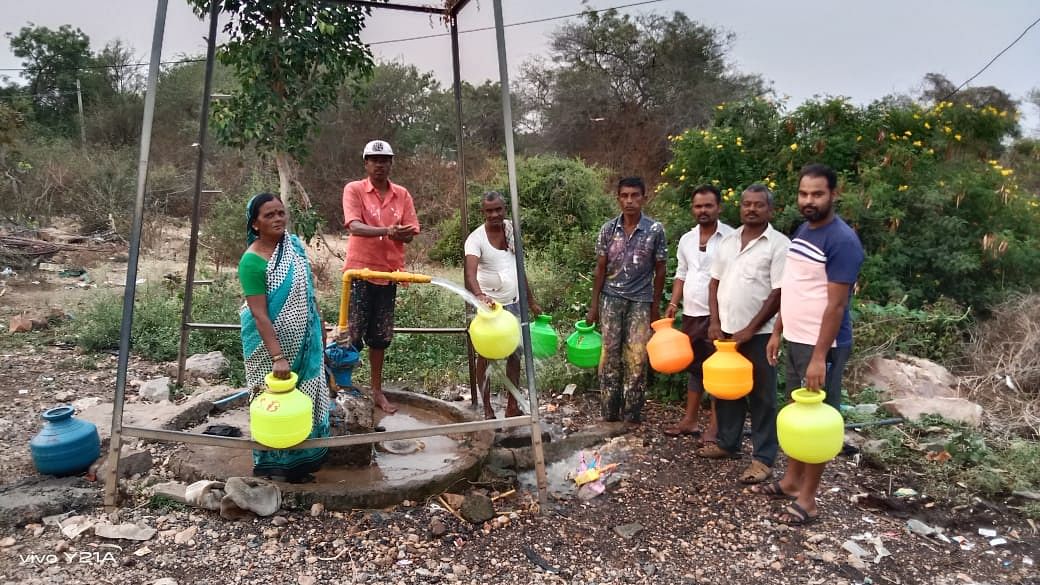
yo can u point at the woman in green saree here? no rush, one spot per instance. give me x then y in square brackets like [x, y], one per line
[282, 330]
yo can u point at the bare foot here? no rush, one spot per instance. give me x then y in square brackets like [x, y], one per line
[683, 428]
[383, 403]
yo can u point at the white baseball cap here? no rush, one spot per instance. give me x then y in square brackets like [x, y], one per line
[378, 147]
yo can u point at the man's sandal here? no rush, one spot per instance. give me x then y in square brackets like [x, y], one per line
[757, 472]
[794, 515]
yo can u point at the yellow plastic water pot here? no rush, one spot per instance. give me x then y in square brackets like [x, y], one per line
[808, 429]
[495, 332]
[281, 416]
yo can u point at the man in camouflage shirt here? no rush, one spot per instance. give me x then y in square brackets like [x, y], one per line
[626, 297]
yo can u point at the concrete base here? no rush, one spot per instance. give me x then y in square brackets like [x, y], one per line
[439, 462]
[519, 437]
[30, 500]
[164, 415]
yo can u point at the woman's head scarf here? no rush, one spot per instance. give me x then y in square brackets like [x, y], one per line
[253, 212]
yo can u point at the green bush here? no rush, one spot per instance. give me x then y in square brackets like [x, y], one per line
[935, 332]
[563, 205]
[448, 247]
[96, 328]
[991, 469]
[156, 327]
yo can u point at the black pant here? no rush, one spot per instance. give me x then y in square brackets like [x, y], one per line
[798, 357]
[761, 402]
[371, 319]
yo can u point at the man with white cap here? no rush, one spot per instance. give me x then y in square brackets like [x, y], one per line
[381, 219]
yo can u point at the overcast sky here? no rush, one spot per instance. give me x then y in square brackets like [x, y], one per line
[863, 50]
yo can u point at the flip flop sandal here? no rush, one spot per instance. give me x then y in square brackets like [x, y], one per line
[771, 489]
[794, 515]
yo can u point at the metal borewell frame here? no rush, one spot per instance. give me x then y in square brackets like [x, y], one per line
[449, 12]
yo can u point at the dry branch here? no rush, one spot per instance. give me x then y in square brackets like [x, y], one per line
[1005, 354]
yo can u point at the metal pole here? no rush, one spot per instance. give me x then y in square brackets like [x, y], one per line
[507, 121]
[82, 124]
[116, 442]
[456, 71]
[193, 245]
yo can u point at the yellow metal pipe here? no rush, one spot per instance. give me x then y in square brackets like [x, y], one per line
[366, 274]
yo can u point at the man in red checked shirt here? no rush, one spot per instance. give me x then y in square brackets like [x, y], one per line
[380, 217]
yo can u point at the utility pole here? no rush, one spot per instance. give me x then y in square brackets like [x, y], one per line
[82, 124]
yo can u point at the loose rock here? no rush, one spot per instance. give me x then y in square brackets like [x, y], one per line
[477, 509]
[155, 390]
[187, 535]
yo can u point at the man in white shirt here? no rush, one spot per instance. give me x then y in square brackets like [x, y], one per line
[490, 274]
[695, 252]
[744, 296]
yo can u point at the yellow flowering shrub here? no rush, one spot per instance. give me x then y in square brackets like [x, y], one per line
[922, 185]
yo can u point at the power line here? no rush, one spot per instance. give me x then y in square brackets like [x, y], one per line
[993, 60]
[519, 23]
[85, 67]
[35, 95]
[386, 42]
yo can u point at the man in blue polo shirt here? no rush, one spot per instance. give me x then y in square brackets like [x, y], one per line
[626, 297]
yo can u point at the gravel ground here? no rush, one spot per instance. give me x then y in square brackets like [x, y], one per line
[682, 519]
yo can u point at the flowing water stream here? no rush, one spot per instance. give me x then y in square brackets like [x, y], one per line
[497, 365]
[459, 290]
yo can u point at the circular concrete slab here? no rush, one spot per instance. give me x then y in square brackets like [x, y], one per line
[438, 463]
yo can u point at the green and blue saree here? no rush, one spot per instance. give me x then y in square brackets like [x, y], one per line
[293, 309]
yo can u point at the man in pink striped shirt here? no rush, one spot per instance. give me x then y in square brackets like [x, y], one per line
[822, 266]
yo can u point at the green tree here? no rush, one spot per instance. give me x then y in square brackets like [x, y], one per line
[938, 88]
[615, 85]
[416, 114]
[290, 60]
[11, 124]
[563, 205]
[52, 61]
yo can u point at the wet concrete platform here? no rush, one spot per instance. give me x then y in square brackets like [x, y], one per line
[402, 470]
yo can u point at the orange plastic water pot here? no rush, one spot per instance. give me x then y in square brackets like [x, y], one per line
[669, 350]
[727, 374]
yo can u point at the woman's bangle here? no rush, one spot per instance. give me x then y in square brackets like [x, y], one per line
[673, 305]
[277, 357]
